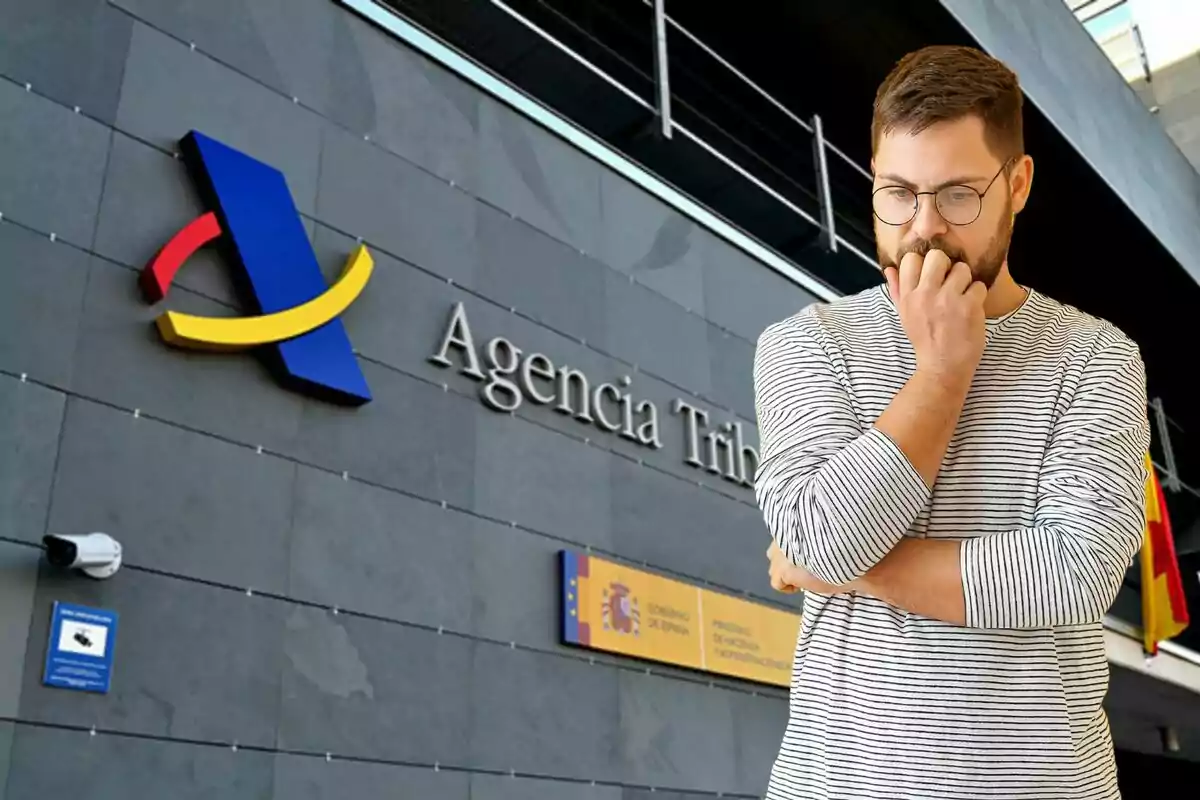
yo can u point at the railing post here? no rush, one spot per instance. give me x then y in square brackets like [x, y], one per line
[1164, 438]
[824, 196]
[1141, 51]
[662, 80]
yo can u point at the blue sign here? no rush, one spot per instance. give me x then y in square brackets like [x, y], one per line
[80, 653]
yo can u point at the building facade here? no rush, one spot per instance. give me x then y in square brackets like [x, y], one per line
[379, 583]
[320, 600]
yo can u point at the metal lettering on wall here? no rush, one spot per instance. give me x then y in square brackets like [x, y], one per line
[618, 609]
[510, 377]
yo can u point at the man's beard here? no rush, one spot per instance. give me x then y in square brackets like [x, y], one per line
[985, 268]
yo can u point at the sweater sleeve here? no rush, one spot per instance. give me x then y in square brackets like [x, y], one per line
[1090, 513]
[836, 498]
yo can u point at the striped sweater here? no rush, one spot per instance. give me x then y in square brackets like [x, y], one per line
[1043, 481]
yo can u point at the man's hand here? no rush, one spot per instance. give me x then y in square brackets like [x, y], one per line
[786, 577]
[941, 309]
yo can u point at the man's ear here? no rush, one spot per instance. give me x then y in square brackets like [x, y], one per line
[1021, 182]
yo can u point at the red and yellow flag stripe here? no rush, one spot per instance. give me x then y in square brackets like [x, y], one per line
[1164, 608]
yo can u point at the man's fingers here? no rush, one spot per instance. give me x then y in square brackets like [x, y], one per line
[909, 273]
[777, 568]
[892, 275]
[959, 279]
[977, 292]
[778, 585]
[934, 269]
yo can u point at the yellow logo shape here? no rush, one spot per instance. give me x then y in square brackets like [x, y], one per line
[239, 333]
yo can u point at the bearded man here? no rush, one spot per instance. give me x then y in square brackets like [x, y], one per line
[952, 470]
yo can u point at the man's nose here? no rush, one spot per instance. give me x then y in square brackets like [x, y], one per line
[928, 223]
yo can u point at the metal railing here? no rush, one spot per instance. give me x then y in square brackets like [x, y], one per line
[1121, 42]
[658, 39]
[487, 81]
[787, 112]
[1169, 446]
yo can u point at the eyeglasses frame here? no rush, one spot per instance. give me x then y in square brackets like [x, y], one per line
[917, 199]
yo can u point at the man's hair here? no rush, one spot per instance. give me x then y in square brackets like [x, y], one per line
[946, 83]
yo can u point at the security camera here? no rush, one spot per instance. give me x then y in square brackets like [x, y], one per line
[98, 555]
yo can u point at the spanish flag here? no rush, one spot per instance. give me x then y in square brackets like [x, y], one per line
[1164, 609]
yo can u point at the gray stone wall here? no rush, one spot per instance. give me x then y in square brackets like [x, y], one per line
[427, 520]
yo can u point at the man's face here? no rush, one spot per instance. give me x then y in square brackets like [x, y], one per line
[947, 154]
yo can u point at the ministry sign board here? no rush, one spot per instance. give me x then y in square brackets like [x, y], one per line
[619, 609]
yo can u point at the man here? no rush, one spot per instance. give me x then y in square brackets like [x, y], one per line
[952, 471]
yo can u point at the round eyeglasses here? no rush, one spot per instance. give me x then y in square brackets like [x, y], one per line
[958, 204]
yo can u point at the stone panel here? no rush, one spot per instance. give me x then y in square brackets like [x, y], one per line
[42, 304]
[653, 332]
[53, 165]
[367, 192]
[542, 714]
[18, 582]
[312, 778]
[72, 51]
[418, 110]
[646, 238]
[30, 424]
[375, 690]
[169, 90]
[412, 436]
[513, 573]
[378, 551]
[758, 726]
[676, 735]
[541, 479]
[502, 787]
[530, 173]
[49, 763]
[545, 279]
[178, 501]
